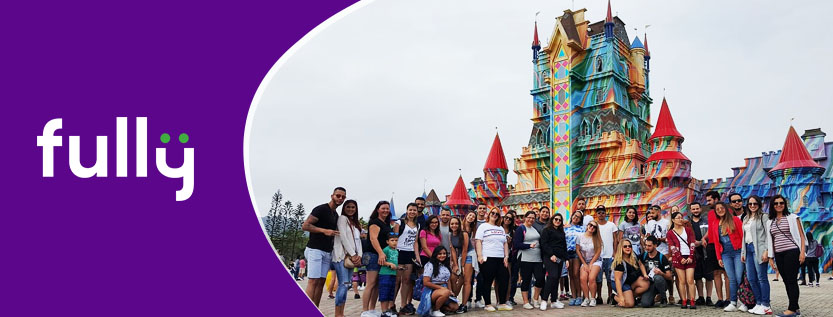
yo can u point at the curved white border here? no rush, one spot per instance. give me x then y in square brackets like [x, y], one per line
[259, 95]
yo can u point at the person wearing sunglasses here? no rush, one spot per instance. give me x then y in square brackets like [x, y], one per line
[785, 242]
[629, 275]
[527, 244]
[754, 254]
[554, 255]
[589, 247]
[493, 256]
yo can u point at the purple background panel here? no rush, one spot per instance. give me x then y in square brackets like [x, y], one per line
[124, 246]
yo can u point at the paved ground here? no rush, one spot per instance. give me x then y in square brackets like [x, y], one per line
[813, 301]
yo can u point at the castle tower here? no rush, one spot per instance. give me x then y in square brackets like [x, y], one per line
[459, 202]
[797, 176]
[493, 190]
[536, 46]
[432, 203]
[668, 169]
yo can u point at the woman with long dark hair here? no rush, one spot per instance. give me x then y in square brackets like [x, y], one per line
[572, 234]
[493, 256]
[728, 237]
[527, 243]
[459, 246]
[754, 254]
[785, 242]
[469, 228]
[407, 245]
[429, 238]
[630, 229]
[435, 276]
[554, 255]
[508, 224]
[346, 247]
[589, 248]
[379, 229]
[681, 246]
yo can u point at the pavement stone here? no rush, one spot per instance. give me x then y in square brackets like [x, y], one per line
[814, 301]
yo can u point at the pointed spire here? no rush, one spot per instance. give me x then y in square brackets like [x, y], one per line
[535, 42]
[459, 195]
[609, 23]
[392, 211]
[496, 158]
[794, 154]
[637, 43]
[647, 52]
[609, 18]
[432, 197]
[665, 123]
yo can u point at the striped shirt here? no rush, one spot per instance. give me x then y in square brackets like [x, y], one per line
[781, 239]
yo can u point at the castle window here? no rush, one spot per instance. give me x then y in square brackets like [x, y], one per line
[599, 65]
[600, 95]
[545, 108]
[597, 127]
[585, 128]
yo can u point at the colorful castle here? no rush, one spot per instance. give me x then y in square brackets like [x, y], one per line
[591, 138]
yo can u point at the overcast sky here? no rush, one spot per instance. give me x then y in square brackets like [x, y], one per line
[398, 92]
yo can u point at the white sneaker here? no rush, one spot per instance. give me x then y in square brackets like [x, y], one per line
[753, 309]
[437, 313]
[543, 305]
[504, 307]
[593, 303]
[585, 302]
[368, 313]
[766, 310]
[490, 308]
[480, 304]
[377, 313]
[742, 307]
[528, 306]
[730, 308]
[557, 305]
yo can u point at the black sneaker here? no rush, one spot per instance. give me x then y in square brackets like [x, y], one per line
[709, 301]
[700, 301]
[463, 309]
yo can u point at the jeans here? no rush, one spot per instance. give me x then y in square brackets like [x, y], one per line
[734, 270]
[658, 286]
[756, 274]
[344, 280]
[606, 263]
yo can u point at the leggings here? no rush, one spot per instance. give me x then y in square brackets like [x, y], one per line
[553, 276]
[812, 268]
[787, 262]
[494, 271]
[528, 269]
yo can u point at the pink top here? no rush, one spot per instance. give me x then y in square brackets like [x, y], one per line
[431, 241]
[303, 263]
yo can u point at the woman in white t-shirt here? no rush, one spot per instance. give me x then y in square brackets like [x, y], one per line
[435, 276]
[589, 248]
[407, 245]
[493, 256]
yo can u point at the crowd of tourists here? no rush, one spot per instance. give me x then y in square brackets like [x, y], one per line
[449, 264]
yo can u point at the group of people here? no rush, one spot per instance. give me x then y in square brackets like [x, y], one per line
[447, 261]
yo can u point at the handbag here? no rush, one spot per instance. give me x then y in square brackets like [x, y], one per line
[745, 294]
[347, 262]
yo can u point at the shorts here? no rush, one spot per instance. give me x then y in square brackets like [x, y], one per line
[564, 270]
[691, 265]
[359, 277]
[711, 260]
[468, 259]
[626, 287]
[406, 257]
[572, 255]
[606, 263]
[373, 262]
[387, 286]
[318, 263]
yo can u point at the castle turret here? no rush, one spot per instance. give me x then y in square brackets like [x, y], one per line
[637, 74]
[608, 24]
[647, 54]
[536, 46]
[492, 189]
[668, 167]
[432, 204]
[796, 176]
[459, 201]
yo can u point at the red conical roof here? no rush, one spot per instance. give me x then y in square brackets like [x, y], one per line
[496, 158]
[665, 123]
[459, 196]
[647, 52]
[535, 39]
[794, 154]
[609, 18]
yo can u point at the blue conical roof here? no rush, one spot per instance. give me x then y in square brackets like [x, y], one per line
[637, 43]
